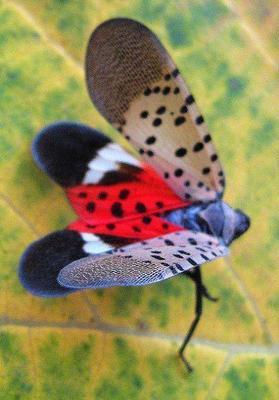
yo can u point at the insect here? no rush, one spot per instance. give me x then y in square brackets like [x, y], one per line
[140, 221]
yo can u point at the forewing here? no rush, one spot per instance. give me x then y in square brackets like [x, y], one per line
[135, 84]
[143, 263]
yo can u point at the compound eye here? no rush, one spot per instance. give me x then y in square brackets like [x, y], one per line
[243, 223]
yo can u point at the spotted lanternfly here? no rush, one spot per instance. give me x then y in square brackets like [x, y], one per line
[139, 222]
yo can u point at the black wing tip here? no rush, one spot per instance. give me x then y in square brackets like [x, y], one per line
[45, 133]
[42, 261]
[104, 76]
[119, 21]
[108, 24]
[38, 285]
[63, 149]
[113, 23]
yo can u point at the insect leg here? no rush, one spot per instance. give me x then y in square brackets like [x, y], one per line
[196, 276]
[205, 292]
[207, 295]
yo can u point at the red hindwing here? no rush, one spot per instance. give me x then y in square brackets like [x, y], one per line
[127, 209]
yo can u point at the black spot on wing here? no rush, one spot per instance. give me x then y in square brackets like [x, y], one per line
[207, 138]
[117, 210]
[144, 114]
[206, 170]
[102, 195]
[168, 242]
[111, 227]
[181, 152]
[178, 172]
[192, 241]
[198, 147]
[178, 256]
[173, 270]
[191, 261]
[184, 109]
[189, 99]
[179, 267]
[157, 122]
[157, 257]
[90, 207]
[124, 194]
[199, 120]
[150, 140]
[166, 90]
[179, 120]
[140, 207]
[161, 110]
[147, 92]
[214, 157]
[146, 220]
[184, 252]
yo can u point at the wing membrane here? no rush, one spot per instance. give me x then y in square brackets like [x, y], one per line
[143, 263]
[135, 84]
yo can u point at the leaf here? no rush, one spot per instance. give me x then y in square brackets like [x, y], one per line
[122, 343]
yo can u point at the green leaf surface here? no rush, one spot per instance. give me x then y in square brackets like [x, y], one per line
[121, 343]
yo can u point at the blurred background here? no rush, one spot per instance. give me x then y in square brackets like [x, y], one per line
[121, 343]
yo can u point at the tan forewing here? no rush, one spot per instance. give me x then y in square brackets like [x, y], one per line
[144, 262]
[136, 86]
